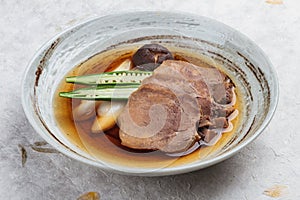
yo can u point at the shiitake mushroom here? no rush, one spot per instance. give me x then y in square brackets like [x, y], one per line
[150, 56]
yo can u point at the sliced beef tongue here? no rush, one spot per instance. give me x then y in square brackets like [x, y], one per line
[162, 114]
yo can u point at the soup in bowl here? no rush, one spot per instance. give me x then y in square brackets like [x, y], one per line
[150, 93]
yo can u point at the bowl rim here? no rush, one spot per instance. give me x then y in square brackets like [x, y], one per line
[135, 171]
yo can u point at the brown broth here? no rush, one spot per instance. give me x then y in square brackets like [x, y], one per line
[107, 146]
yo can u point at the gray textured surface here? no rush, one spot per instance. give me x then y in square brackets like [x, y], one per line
[273, 159]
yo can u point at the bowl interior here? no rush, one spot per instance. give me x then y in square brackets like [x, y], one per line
[241, 58]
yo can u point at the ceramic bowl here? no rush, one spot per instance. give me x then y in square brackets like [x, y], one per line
[241, 58]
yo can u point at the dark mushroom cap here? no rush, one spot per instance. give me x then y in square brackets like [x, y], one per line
[150, 56]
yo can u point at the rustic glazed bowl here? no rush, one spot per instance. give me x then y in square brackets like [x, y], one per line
[241, 57]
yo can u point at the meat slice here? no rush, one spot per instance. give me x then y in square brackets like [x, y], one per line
[164, 112]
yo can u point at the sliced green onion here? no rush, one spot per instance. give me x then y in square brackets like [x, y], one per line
[103, 92]
[111, 78]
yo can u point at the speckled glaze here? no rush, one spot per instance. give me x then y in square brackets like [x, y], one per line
[242, 59]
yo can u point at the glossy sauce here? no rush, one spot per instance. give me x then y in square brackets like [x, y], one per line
[107, 146]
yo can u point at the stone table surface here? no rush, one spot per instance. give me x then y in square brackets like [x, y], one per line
[268, 167]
